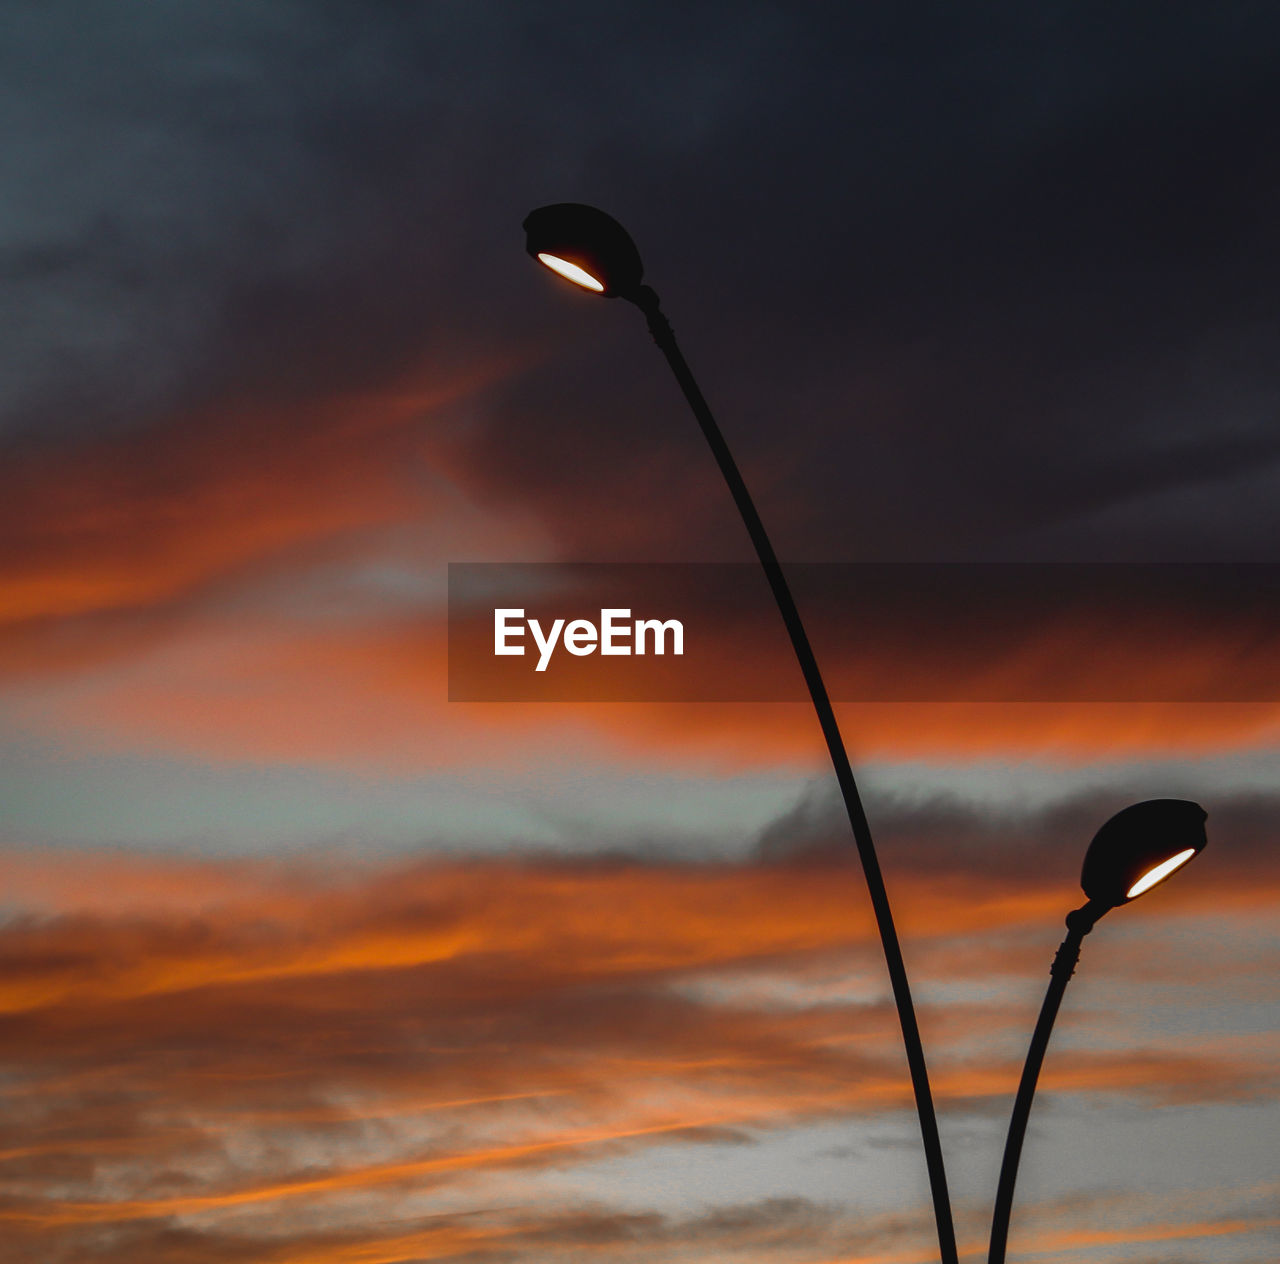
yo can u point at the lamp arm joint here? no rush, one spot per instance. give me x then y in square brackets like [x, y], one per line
[1066, 958]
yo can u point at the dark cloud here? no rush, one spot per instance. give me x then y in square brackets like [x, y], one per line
[980, 274]
[220, 202]
[1004, 328]
[946, 833]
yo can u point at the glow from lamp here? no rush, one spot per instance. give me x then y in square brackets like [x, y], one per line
[1159, 872]
[571, 272]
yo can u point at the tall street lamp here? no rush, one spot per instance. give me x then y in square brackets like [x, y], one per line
[592, 250]
[1133, 852]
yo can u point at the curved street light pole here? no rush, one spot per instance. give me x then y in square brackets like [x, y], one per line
[1079, 924]
[646, 299]
[592, 250]
[1133, 852]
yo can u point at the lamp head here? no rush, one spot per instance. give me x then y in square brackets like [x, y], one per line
[1140, 847]
[585, 246]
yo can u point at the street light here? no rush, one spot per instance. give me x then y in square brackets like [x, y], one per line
[591, 249]
[1135, 850]
[587, 247]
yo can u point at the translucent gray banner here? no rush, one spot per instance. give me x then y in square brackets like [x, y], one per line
[883, 632]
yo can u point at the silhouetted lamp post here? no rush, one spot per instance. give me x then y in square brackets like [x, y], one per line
[592, 250]
[1133, 852]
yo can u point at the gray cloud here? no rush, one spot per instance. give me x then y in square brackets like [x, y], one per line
[1003, 275]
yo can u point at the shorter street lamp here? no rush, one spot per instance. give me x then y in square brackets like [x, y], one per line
[1135, 850]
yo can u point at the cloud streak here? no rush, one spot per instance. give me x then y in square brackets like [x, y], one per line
[456, 1031]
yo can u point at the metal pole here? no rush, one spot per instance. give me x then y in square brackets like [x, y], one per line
[647, 300]
[1079, 924]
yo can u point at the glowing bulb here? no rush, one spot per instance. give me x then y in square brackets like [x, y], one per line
[571, 272]
[1162, 870]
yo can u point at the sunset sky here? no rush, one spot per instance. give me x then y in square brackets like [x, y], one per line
[303, 963]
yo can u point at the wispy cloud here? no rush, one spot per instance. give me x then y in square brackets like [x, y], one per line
[249, 1040]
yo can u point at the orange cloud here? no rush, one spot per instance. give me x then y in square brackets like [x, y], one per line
[372, 694]
[112, 532]
[171, 557]
[454, 1030]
